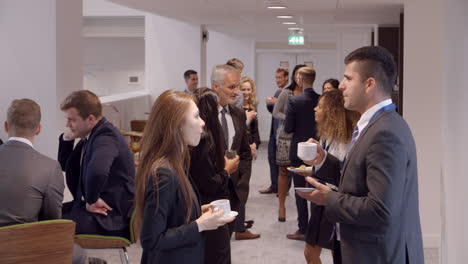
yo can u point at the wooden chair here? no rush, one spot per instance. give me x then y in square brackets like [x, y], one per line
[109, 242]
[37, 242]
[138, 125]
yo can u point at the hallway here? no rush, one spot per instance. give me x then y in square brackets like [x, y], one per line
[272, 247]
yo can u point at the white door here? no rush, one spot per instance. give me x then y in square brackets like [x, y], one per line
[323, 61]
[266, 65]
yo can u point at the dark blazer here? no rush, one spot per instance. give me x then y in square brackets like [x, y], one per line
[252, 131]
[212, 183]
[300, 119]
[31, 185]
[107, 172]
[377, 202]
[241, 178]
[274, 122]
[165, 235]
[320, 229]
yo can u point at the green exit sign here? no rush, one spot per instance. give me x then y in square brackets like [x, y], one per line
[296, 40]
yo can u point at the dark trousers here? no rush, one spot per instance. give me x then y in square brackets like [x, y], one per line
[239, 225]
[272, 162]
[86, 222]
[236, 205]
[336, 252]
[218, 246]
[301, 204]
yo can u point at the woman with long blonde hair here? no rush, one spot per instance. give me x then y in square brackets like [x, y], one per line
[249, 91]
[168, 211]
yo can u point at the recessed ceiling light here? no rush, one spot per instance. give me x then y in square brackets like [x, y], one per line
[289, 23]
[276, 7]
[284, 16]
[294, 28]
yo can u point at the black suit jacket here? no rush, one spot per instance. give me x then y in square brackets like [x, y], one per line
[211, 182]
[165, 236]
[240, 144]
[300, 119]
[107, 171]
[252, 130]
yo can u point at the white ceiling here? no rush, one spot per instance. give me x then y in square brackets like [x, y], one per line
[251, 18]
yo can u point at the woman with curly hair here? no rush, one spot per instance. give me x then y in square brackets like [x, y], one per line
[334, 128]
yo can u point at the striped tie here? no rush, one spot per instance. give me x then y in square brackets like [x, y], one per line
[224, 125]
[353, 138]
[350, 145]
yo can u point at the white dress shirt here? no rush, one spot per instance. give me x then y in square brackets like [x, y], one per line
[366, 117]
[21, 139]
[230, 123]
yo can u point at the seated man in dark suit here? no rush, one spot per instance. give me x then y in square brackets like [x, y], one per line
[31, 184]
[99, 169]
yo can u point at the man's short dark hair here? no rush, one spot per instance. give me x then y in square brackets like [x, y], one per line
[86, 103]
[376, 62]
[23, 117]
[187, 74]
[284, 71]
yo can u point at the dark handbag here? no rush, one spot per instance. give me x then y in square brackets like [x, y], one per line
[282, 148]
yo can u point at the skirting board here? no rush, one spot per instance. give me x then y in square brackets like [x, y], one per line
[431, 241]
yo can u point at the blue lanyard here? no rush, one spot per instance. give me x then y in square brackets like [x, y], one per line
[386, 108]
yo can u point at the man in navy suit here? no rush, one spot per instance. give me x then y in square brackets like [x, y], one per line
[99, 170]
[282, 80]
[300, 120]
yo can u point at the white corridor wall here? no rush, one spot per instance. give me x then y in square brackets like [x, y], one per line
[40, 51]
[171, 48]
[221, 47]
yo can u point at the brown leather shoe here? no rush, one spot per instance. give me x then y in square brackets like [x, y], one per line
[296, 236]
[246, 235]
[267, 191]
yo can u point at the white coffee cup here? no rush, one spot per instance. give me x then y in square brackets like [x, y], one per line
[222, 204]
[306, 150]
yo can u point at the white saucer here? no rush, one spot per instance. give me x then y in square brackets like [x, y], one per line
[307, 169]
[304, 189]
[232, 214]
